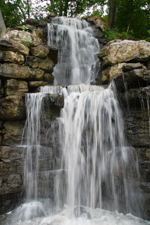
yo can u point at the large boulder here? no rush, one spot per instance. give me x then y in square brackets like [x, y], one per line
[15, 87]
[118, 51]
[37, 37]
[47, 65]
[13, 131]
[12, 108]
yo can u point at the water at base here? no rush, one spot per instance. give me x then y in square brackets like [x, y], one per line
[98, 217]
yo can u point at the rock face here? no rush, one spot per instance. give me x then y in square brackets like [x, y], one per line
[25, 65]
[127, 64]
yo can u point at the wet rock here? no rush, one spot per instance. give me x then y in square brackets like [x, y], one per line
[40, 51]
[137, 127]
[12, 108]
[118, 51]
[53, 100]
[13, 131]
[1, 89]
[16, 87]
[130, 79]
[11, 183]
[48, 77]
[136, 97]
[53, 52]
[80, 211]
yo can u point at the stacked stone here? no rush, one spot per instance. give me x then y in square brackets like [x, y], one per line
[128, 64]
[25, 64]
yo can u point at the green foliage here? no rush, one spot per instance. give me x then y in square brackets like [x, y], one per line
[115, 34]
[133, 17]
[26, 42]
[24, 28]
[11, 14]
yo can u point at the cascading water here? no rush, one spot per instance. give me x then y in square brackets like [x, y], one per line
[77, 55]
[96, 171]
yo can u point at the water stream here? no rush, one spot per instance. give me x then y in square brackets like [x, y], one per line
[95, 174]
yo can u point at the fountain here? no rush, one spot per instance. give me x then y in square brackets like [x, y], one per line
[94, 177]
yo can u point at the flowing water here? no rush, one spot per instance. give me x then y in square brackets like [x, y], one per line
[94, 175]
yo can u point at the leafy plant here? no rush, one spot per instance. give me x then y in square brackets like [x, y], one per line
[24, 28]
[26, 42]
[115, 34]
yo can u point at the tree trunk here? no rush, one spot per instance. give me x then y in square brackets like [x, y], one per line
[112, 13]
[2, 25]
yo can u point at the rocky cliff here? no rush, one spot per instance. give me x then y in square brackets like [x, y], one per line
[127, 64]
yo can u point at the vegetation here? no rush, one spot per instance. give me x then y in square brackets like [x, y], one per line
[126, 18]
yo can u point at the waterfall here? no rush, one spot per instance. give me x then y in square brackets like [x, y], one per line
[77, 55]
[82, 153]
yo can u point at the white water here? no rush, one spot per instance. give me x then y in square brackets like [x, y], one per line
[98, 170]
[77, 55]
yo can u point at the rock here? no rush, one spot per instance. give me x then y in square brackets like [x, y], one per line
[101, 24]
[137, 126]
[35, 22]
[136, 97]
[15, 87]
[109, 73]
[48, 78]
[1, 89]
[28, 27]
[53, 52]
[9, 56]
[11, 183]
[15, 71]
[132, 66]
[130, 79]
[40, 51]
[36, 84]
[33, 61]
[53, 100]
[38, 74]
[38, 38]
[13, 131]
[47, 65]
[81, 212]
[119, 51]
[18, 47]
[23, 37]
[7, 45]
[20, 72]
[12, 108]
[10, 154]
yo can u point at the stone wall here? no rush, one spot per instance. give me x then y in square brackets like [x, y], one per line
[25, 64]
[127, 63]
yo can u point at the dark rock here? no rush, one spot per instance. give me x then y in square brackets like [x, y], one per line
[132, 66]
[53, 52]
[80, 211]
[13, 131]
[35, 22]
[12, 108]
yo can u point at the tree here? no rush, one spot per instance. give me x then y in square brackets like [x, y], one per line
[133, 17]
[2, 25]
